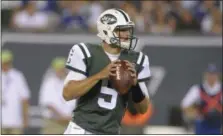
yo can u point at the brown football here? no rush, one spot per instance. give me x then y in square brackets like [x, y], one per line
[123, 80]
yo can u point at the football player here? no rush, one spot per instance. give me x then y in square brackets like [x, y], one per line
[100, 107]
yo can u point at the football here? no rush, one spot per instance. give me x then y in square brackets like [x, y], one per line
[122, 80]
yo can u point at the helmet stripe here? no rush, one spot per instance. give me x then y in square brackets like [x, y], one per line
[123, 13]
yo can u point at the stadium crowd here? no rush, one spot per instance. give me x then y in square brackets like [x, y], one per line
[157, 17]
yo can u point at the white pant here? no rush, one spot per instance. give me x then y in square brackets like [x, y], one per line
[73, 128]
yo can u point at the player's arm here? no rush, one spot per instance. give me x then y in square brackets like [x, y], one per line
[140, 98]
[139, 91]
[187, 105]
[77, 83]
[75, 88]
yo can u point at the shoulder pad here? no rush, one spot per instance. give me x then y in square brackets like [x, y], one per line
[85, 50]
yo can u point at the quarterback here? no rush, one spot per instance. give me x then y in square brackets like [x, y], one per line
[100, 108]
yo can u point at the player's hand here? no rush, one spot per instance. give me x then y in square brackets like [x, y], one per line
[109, 70]
[132, 69]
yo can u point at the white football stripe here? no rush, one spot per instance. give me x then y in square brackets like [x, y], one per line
[139, 58]
[86, 49]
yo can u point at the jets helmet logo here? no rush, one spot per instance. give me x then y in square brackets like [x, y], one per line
[108, 19]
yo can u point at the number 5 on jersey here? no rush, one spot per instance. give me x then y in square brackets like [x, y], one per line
[110, 92]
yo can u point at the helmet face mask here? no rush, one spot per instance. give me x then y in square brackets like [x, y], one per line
[116, 29]
[125, 42]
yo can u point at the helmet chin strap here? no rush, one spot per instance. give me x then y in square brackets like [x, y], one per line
[115, 43]
[113, 46]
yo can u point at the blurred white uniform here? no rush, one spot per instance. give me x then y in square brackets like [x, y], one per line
[14, 90]
[51, 94]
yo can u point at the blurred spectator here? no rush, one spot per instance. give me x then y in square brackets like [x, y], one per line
[149, 16]
[129, 8]
[160, 21]
[63, 4]
[95, 10]
[112, 4]
[146, 12]
[184, 18]
[71, 18]
[212, 23]
[187, 21]
[51, 9]
[15, 97]
[203, 103]
[47, 5]
[30, 19]
[189, 4]
[202, 9]
[220, 5]
[6, 4]
[56, 111]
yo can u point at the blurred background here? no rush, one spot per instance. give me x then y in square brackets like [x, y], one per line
[180, 38]
[155, 17]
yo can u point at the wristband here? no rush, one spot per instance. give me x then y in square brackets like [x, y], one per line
[137, 94]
